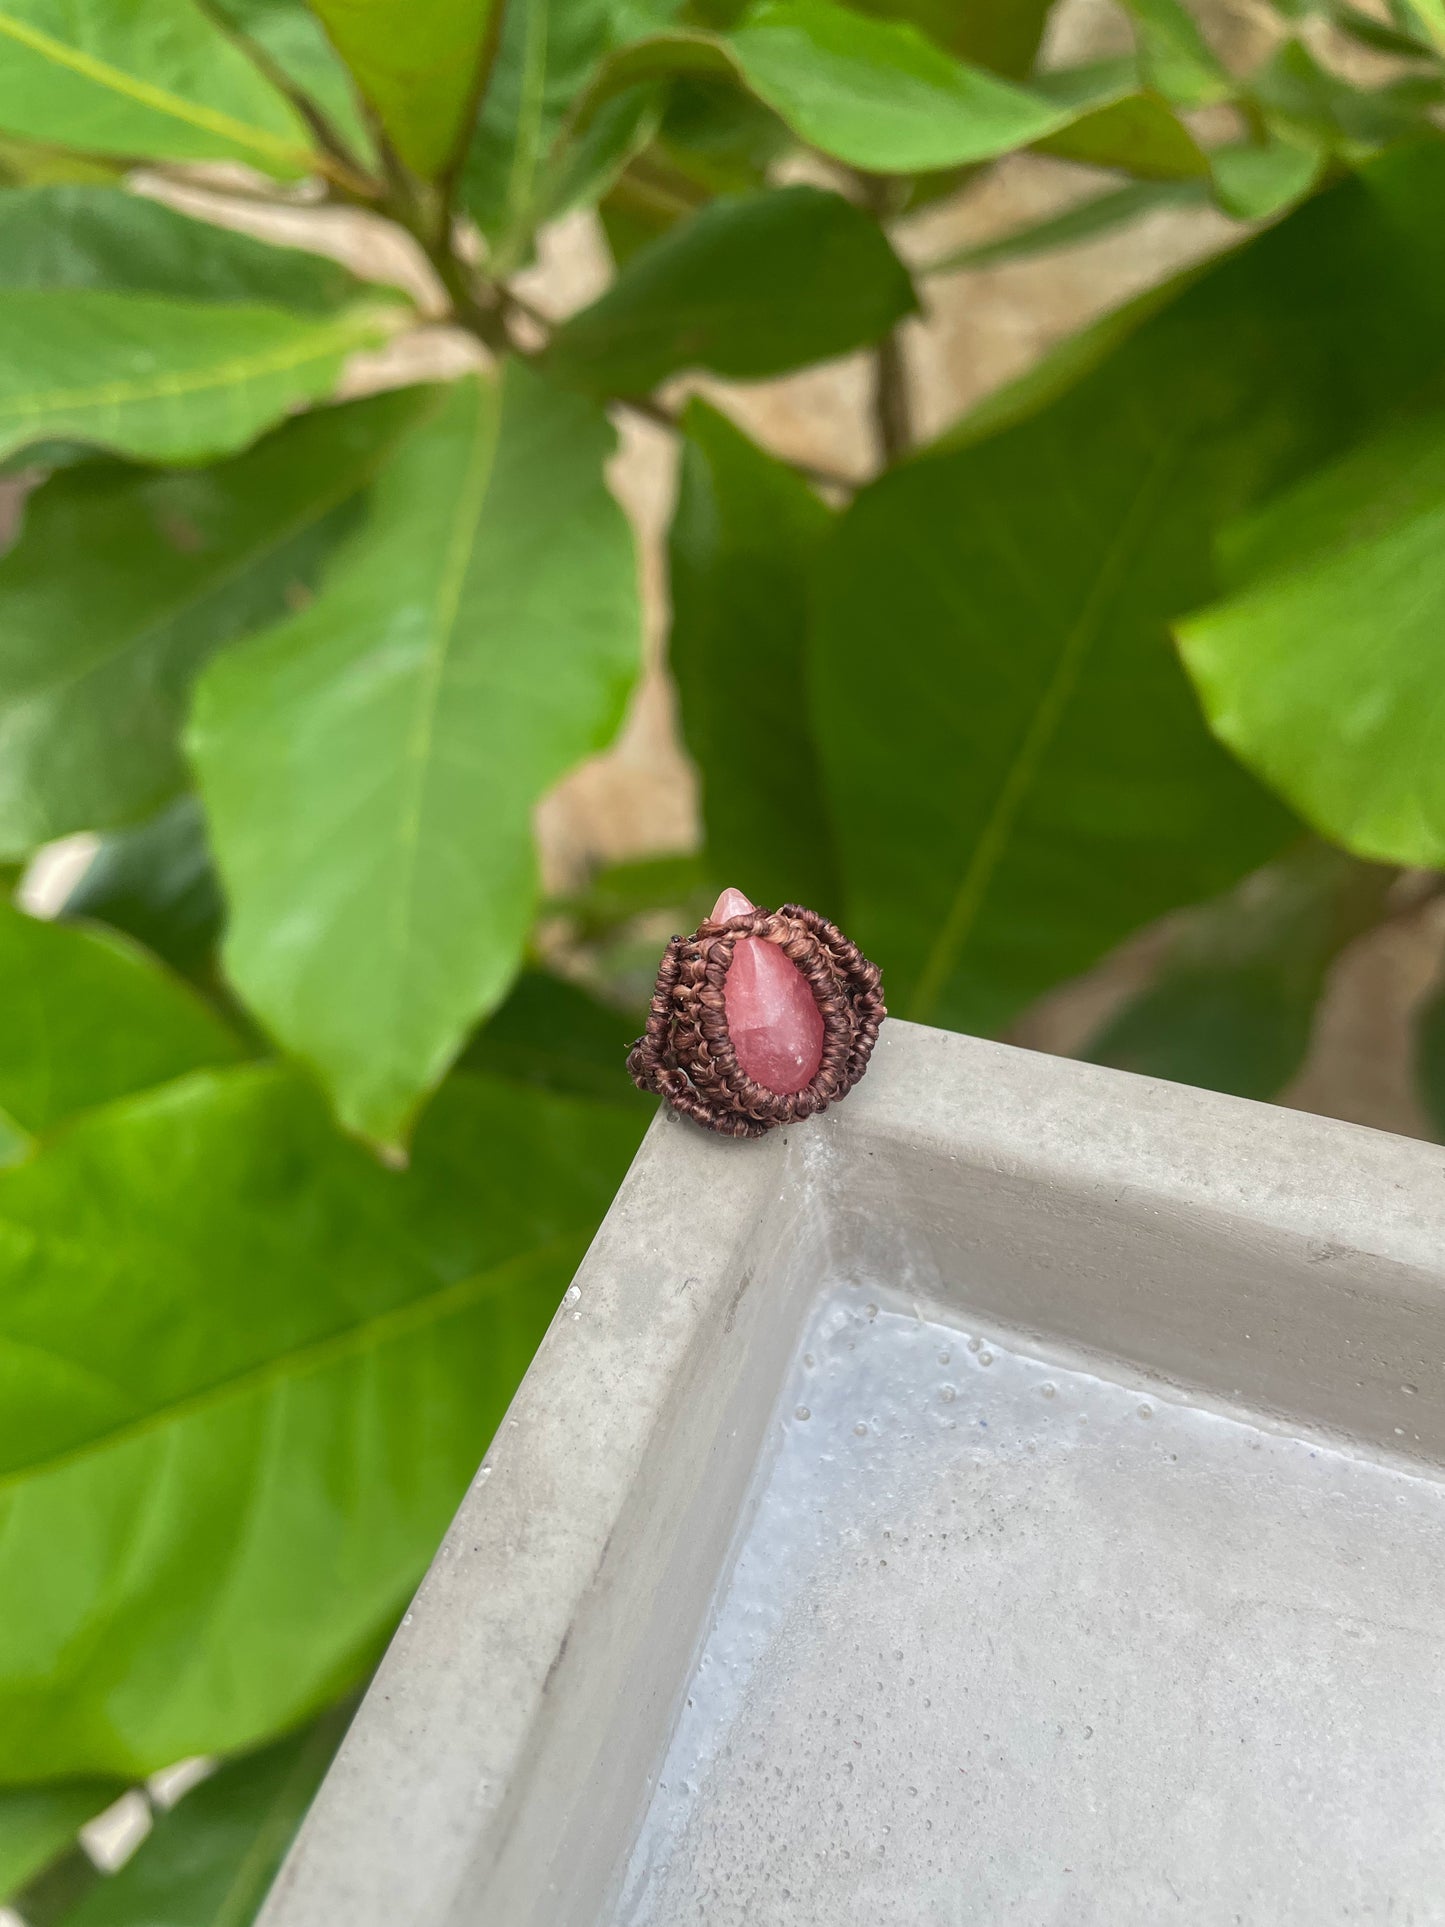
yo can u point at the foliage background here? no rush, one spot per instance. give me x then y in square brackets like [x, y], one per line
[1106, 716]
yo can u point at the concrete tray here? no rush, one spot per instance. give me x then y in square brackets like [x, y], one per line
[1014, 1497]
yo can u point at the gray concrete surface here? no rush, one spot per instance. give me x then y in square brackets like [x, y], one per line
[1236, 1594]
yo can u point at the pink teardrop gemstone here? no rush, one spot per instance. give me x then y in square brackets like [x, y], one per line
[773, 1019]
[732, 903]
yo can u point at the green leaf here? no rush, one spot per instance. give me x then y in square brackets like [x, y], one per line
[744, 539]
[210, 1861]
[718, 138]
[164, 381]
[14, 1144]
[1323, 667]
[714, 138]
[1059, 789]
[634, 19]
[1084, 221]
[641, 887]
[671, 56]
[554, 1036]
[370, 768]
[85, 276]
[80, 236]
[37, 1823]
[33, 164]
[1232, 1005]
[291, 37]
[157, 883]
[620, 919]
[148, 79]
[1065, 366]
[583, 171]
[1002, 35]
[1372, 33]
[547, 51]
[245, 1376]
[878, 95]
[419, 63]
[1426, 16]
[1254, 182]
[631, 221]
[1313, 108]
[39, 459]
[86, 1017]
[750, 286]
[1176, 58]
[874, 93]
[124, 581]
[1132, 131]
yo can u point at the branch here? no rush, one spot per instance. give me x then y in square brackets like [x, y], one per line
[652, 410]
[481, 306]
[892, 411]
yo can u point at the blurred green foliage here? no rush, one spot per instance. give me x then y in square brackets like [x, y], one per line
[301, 1130]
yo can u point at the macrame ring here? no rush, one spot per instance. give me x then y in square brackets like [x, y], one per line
[686, 1056]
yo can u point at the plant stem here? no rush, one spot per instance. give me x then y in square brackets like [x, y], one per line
[424, 211]
[480, 304]
[892, 413]
[648, 408]
[891, 408]
[477, 304]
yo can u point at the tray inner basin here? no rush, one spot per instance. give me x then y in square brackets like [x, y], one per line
[1001, 1640]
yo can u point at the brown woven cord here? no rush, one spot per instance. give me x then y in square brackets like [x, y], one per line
[686, 1056]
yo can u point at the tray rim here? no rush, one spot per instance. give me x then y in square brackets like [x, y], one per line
[417, 1799]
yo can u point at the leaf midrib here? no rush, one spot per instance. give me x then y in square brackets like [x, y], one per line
[958, 98]
[158, 99]
[451, 580]
[527, 143]
[993, 840]
[367, 1334]
[326, 340]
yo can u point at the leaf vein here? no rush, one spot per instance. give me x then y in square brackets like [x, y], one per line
[146, 94]
[368, 1335]
[994, 838]
[229, 373]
